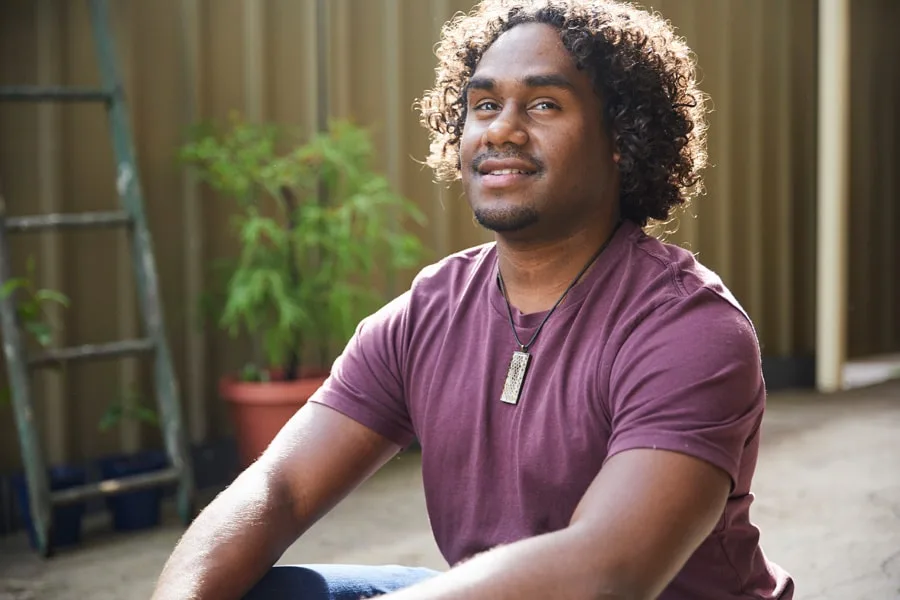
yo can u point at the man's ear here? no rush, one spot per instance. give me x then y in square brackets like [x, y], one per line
[613, 140]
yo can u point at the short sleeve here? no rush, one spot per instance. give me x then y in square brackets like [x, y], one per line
[366, 381]
[688, 379]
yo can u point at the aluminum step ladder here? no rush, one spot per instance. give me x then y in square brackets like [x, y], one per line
[154, 344]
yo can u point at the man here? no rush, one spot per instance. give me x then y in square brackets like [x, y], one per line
[587, 398]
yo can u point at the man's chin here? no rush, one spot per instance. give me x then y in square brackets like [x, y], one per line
[506, 220]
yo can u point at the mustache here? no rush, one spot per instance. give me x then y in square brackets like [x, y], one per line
[508, 154]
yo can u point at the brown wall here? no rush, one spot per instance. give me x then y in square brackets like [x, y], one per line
[874, 237]
[186, 60]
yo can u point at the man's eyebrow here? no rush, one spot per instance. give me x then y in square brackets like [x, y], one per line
[549, 80]
[481, 83]
[533, 81]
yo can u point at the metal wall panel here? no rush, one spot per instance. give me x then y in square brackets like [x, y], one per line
[874, 236]
[186, 60]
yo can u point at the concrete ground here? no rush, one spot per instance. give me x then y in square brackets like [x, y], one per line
[828, 504]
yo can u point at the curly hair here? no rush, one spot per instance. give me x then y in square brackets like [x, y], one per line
[644, 74]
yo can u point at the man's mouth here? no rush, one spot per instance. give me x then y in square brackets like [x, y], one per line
[504, 178]
[496, 172]
[501, 173]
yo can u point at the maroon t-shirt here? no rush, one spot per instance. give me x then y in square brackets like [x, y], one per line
[649, 350]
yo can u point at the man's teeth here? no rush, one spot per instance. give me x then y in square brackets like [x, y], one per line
[508, 172]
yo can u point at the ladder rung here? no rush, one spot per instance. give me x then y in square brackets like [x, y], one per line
[67, 221]
[44, 93]
[114, 486]
[92, 351]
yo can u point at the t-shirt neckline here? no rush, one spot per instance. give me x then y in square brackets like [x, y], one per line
[576, 295]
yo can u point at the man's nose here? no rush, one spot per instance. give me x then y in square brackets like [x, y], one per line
[506, 129]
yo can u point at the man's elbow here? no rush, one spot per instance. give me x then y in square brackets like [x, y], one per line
[607, 588]
[603, 574]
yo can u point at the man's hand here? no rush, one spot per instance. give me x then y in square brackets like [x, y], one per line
[638, 523]
[317, 459]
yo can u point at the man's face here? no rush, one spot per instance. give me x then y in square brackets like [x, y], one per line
[533, 152]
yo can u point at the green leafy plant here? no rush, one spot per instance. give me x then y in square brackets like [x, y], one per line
[31, 303]
[318, 231]
[131, 406]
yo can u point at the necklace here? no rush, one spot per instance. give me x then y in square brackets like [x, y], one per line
[518, 364]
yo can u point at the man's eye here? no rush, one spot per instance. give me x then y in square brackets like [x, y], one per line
[486, 105]
[546, 105]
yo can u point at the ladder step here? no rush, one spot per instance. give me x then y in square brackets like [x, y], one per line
[31, 223]
[93, 351]
[114, 486]
[45, 93]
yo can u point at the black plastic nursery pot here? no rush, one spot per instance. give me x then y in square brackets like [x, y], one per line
[66, 524]
[139, 509]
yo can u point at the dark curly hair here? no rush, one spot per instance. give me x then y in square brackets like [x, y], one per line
[643, 73]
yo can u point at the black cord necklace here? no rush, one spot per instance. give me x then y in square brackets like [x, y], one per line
[518, 365]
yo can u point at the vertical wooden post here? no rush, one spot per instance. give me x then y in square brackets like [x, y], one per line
[782, 29]
[833, 191]
[323, 65]
[393, 73]
[20, 385]
[309, 52]
[49, 197]
[724, 99]
[127, 319]
[193, 231]
[254, 60]
[441, 222]
[756, 145]
[339, 48]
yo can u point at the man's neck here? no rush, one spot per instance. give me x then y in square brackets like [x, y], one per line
[536, 274]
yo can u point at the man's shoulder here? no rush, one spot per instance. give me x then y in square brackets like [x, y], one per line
[433, 287]
[672, 275]
[686, 331]
[454, 272]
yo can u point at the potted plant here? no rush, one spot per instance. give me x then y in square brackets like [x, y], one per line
[36, 324]
[318, 234]
[137, 509]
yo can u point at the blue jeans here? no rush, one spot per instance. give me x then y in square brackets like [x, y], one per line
[335, 582]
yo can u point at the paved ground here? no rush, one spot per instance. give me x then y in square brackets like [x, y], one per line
[828, 488]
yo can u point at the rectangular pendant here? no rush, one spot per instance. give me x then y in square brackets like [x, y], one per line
[515, 377]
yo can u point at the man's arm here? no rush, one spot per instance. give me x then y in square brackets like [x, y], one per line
[313, 463]
[638, 523]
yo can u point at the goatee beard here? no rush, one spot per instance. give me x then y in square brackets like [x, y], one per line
[507, 220]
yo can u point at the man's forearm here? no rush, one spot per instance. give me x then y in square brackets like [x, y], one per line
[556, 565]
[232, 543]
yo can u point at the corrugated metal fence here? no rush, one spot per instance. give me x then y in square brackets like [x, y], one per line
[187, 60]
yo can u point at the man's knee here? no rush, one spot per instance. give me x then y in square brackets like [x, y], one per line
[335, 582]
[295, 582]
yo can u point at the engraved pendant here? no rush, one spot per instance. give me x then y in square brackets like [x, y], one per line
[515, 377]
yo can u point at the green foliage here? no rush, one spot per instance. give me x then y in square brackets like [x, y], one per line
[131, 406]
[31, 311]
[30, 305]
[318, 231]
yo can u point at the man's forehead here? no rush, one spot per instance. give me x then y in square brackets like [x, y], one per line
[528, 49]
[526, 42]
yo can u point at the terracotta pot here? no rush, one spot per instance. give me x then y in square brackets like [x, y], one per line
[260, 410]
